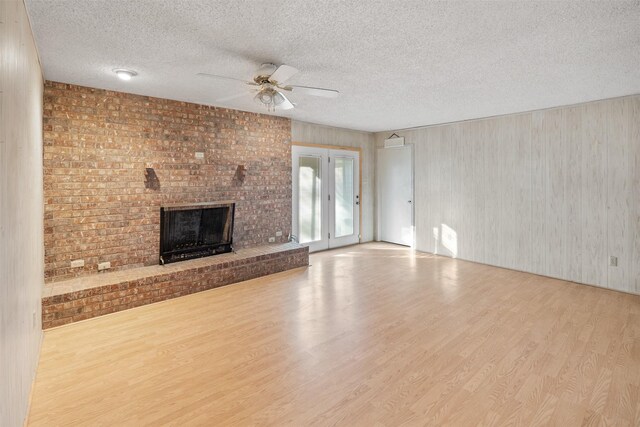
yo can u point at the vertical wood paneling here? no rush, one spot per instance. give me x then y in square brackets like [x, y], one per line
[446, 203]
[479, 189]
[539, 178]
[555, 212]
[594, 197]
[506, 135]
[327, 135]
[21, 211]
[522, 196]
[553, 192]
[634, 158]
[618, 192]
[493, 244]
[455, 216]
[467, 197]
[427, 176]
[572, 259]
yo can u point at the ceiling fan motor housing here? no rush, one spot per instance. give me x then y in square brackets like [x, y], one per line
[264, 72]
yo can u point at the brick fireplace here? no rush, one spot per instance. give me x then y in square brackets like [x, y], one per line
[98, 145]
[195, 231]
[112, 160]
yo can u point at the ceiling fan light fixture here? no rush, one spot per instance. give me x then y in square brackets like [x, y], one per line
[265, 96]
[271, 98]
[278, 99]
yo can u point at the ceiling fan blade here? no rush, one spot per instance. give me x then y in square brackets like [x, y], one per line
[285, 104]
[282, 74]
[213, 76]
[229, 98]
[315, 91]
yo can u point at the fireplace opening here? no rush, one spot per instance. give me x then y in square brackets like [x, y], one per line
[195, 231]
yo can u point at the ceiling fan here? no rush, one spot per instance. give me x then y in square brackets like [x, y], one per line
[269, 85]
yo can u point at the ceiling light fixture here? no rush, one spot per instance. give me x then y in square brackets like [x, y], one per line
[269, 97]
[124, 74]
[269, 87]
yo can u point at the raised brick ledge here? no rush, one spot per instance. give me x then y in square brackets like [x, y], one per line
[91, 296]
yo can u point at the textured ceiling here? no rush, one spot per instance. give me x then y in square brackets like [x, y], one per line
[397, 64]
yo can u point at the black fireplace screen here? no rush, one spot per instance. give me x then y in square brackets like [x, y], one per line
[195, 231]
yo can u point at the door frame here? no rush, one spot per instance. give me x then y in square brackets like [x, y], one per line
[339, 147]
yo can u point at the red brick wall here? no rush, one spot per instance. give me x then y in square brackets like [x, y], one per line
[97, 144]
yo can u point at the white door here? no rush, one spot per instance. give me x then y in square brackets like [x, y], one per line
[395, 195]
[326, 199]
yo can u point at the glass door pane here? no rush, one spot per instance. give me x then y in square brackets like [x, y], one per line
[325, 197]
[344, 197]
[309, 199]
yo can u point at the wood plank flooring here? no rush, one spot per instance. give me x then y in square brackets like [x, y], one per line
[368, 335]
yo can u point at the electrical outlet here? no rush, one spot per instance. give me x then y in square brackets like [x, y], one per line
[77, 263]
[199, 155]
[272, 239]
[104, 266]
[613, 261]
[278, 233]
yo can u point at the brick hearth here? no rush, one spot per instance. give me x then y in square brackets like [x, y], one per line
[91, 296]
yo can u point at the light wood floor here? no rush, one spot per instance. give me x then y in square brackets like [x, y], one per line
[369, 335]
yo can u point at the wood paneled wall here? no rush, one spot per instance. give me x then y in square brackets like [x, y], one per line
[554, 192]
[327, 135]
[21, 211]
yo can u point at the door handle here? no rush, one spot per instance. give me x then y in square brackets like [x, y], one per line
[409, 201]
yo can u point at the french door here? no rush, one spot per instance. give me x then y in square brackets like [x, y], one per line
[326, 197]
